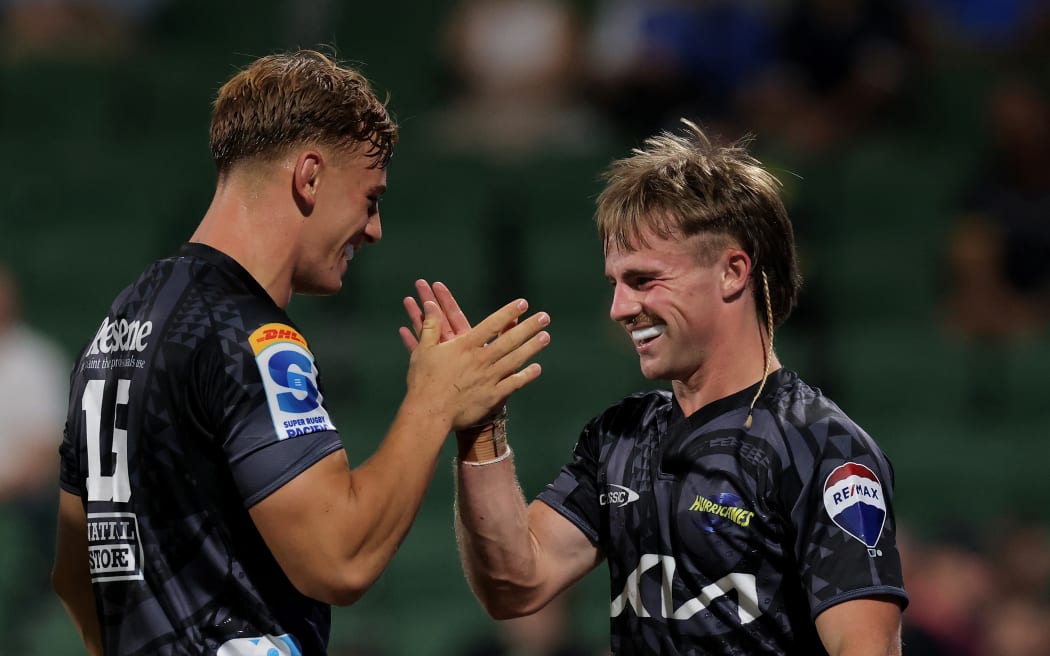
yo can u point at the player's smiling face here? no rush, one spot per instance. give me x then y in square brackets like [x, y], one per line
[667, 299]
[345, 218]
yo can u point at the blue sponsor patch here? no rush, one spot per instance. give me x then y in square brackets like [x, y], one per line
[289, 376]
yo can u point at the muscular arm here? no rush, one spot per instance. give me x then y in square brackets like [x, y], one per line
[332, 529]
[70, 577]
[517, 557]
[862, 627]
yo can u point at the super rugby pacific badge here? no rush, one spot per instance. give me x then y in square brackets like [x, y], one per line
[290, 379]
[854, 501]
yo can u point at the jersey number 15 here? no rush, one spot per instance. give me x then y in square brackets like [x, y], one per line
[116, 486]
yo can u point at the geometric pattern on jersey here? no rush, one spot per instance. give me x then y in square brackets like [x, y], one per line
[716, 536]
[169, 441]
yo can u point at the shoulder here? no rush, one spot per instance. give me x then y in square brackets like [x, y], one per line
[627, 420]
[638, 408]
[798, 407]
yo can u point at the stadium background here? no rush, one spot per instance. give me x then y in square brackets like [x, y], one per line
[106, 167]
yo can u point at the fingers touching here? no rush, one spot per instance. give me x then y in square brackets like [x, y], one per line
[474, 369]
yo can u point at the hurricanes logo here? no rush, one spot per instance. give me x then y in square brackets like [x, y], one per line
[726, 506]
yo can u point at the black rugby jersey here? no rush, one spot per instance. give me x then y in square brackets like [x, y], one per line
[726, 540]
[196, 399]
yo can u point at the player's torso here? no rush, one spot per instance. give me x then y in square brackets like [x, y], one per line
[177, 564]
[696, 552]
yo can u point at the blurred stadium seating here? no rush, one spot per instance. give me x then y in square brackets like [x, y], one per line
[106, 167]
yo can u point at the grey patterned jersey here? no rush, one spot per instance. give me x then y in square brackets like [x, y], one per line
[195, 400]
[726, 540]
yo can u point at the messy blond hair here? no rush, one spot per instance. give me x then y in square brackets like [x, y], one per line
[680, 185]
[304, 97]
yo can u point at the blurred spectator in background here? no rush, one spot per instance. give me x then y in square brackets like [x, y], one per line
[999, 251]
[651, 61]
[1017, 623]
[514, 68]
[100, 28]
[547, 632]
[950, 582]
[33, 374]
[842, 66]
[1021, 554]
[987, 26]
[1016, 626]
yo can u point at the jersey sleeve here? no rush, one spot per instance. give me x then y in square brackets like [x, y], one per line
[574, 493]
[69, 465]
[843, 521]
[270, 405]
[68, 451]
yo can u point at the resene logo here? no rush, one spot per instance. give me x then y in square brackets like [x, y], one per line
[121, 335]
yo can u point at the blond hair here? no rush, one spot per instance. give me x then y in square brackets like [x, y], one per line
[680, 185]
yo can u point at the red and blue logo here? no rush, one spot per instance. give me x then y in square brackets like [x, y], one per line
[854, 501]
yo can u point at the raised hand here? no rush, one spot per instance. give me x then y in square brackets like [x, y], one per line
[454, 322]
[464, 375]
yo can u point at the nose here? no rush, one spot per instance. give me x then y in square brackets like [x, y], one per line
[373, 229]
[625, 304]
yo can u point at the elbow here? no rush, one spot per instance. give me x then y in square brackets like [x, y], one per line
[509, 603]
[339, 586]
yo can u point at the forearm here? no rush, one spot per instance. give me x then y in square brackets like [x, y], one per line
[496, 547]
[70, 578]
[80, 606]
[386, 491]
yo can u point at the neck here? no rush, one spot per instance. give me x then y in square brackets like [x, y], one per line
[734, 361]
[250, 227]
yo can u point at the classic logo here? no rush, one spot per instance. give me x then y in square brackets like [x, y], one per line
[617, 495]
[290, 378]
[854, 501]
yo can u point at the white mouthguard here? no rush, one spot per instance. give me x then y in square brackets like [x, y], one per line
[647, 333]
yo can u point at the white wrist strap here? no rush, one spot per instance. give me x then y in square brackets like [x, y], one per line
[506, 454]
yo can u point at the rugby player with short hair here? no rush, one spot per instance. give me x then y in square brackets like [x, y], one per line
[207, 504]
[741, 512]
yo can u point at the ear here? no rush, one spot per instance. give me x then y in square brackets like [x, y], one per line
[736, 270]
[306, 177]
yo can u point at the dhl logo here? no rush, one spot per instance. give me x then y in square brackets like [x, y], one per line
[273, 333]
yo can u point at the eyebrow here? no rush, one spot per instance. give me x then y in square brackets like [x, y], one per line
[633, 273]
[377, 190]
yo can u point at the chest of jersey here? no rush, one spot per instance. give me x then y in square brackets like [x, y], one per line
[686, 527]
